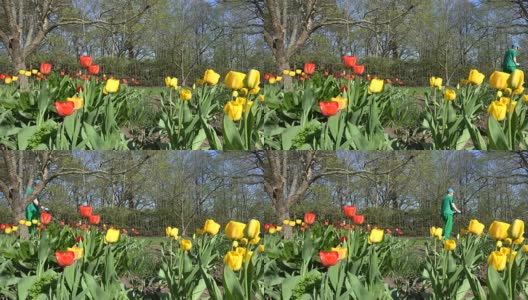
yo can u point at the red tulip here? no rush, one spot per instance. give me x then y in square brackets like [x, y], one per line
[329, 258]
[94, 219]
[309, 68]
[3, 76]
[309, 218]
[266, 226]
[329, 109]
[343, 88]
[64, 109]
[343, 238]
[65, 258]
[85, 211]
[45, 68]
[45, 218]
[359, 219]
[326, 73]
[349, 61]
[350, 211]
[93, 69]
[359, 69]
[388, 231]
[85, 61]
[2, 226]
[79, 238]
[326, 223]
[62, 74]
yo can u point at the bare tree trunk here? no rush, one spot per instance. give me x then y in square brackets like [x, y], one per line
[19, 63]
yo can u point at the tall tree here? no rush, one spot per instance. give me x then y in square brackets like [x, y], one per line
[24, 24]
[287, 24]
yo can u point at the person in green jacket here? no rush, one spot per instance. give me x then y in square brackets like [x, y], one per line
[33, 210]
[509, 64]
[448, 209]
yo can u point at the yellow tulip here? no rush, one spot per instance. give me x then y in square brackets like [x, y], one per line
[234, 80]
[517, 229]
[519, 91]
[525, 248]
[243, 241]
[172, 232]
[463, 231]
[272, 230]
[168, 231]
[498, 244]
[298, 71]
[286, 222]
[243, 92]
[235, 230]
[298, 221]
[14, 78]
[234, 244]
[35, 221]
[516, 79]
[272, 81]
[376, 86]
[253, 79]
[254, 91]
[498, 110]
[507, 92]
[286, 72]
[14, 228]
[77, 102]
[185, 94]
[233, 260]
[253, 229]
[510, 255]
[34, 71]
[449, 95]
[279, 78]
[341, 101]
[185, 245]
[435, 82]
[112, 85]
[255, 240]
[499, 230]
[261, 248]
[244, 253]
[519, 241]
[8, 80]
[279, 228]
[497, 259]
[22, 222]
[261, 98]
[436, 232]
[8, 230]
[211, 227]
[292, 223]
[475, 227]
[112, 235]
[211, 77]
[499, 80]
[199, 231]
[449, 245]
[342, 252]
[376, 236]
[247, 106]
[499, 94]
[475, 77]
[28, 73]
[28, 223]
[292, 73]
[507, 242]
[22, 72]
[79, 252]
[233, 110]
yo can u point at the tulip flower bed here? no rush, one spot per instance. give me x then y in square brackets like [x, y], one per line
[348, 260]
[302, 109]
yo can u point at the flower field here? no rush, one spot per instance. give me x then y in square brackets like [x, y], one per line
[295, 110]
[318, 260]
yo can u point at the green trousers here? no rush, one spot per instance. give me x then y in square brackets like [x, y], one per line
[448, 221]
